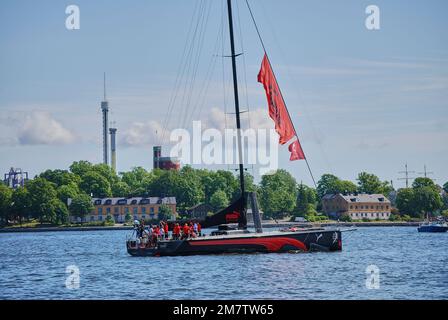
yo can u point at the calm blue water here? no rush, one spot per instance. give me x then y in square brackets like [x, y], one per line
[412, 266]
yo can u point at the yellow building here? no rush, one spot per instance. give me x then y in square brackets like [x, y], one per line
[138, 208]
[360, 206]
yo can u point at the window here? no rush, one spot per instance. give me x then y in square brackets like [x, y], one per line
[362, 207]
[116, 210]
[387, 207]
[92, 218]
[134, 201]
[97, 202]
[100, 211]
[122, 201]
[143, 210]
[108, 202]
[108, 210]
[100, 218]
[143, 217]
[135, 210]
[371, 207]
[351, 207]
[126, 210]
[135, 217]
[144, 201]
[151, 210]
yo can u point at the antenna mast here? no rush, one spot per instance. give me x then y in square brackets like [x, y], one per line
[406, 172]
[426, 173]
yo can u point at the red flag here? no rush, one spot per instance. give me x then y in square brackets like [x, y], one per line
[277, 108]
[296, 151]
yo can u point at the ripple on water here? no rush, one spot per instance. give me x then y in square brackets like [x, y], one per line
[412, 266]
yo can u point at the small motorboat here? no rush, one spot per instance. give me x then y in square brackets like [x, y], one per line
[433, 227]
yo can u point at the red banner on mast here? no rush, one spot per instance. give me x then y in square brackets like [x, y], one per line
[278, 111]
[277, 108]
[296, 151]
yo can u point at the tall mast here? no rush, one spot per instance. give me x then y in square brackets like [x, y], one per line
[235, 92]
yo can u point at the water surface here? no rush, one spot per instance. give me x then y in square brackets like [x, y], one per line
[412, 265]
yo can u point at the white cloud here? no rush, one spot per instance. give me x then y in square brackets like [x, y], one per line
[40, 128]
[152, 132]
[144, 133]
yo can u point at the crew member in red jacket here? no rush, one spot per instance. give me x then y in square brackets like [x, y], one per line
[199, 229]
[186, 231]
[166, 229]
[176, 232]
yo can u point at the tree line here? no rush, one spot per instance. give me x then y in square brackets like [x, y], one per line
[44, 198]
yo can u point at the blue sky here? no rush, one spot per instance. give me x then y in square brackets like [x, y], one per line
[361, 100]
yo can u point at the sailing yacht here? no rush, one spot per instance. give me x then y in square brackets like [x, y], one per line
[228, 239]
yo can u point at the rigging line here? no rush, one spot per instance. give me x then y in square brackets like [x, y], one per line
[187, 64]
[193, 82]
[289, 115]
[315, 131]
[191, 54]
[208, 79]
[245, 75]
[244, 72]
[178, 77]
[197, 61]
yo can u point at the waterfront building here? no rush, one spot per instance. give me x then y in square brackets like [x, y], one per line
[137, 207]
[164, 163]
[359, 206]
[199, 211]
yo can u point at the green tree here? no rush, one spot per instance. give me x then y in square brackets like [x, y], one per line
[278, 194]
[42, 195]
[94, 183]
[371, 184]
[61, 214]
[424, 182]
[137, 179]
[445, 187]
[109, 220]
[67, 191]
[306, 201]
[80, 168]
[121, 189]
[81, 206]
[427, 200]
[5, 202]
[60, 177]
[219, 200]
[406, 201]
[21, 204]
[164, 213]
[346, 187]
[328, 184]
[185, 186]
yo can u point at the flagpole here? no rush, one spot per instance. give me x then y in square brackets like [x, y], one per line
[281, 95]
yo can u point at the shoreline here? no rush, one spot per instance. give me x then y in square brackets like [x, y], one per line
[250, 225]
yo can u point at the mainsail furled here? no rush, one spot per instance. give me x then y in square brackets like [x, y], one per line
[235, 213]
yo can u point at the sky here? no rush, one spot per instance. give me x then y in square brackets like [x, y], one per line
[361, 100]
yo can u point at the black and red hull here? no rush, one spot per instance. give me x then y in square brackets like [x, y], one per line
[270, 242]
